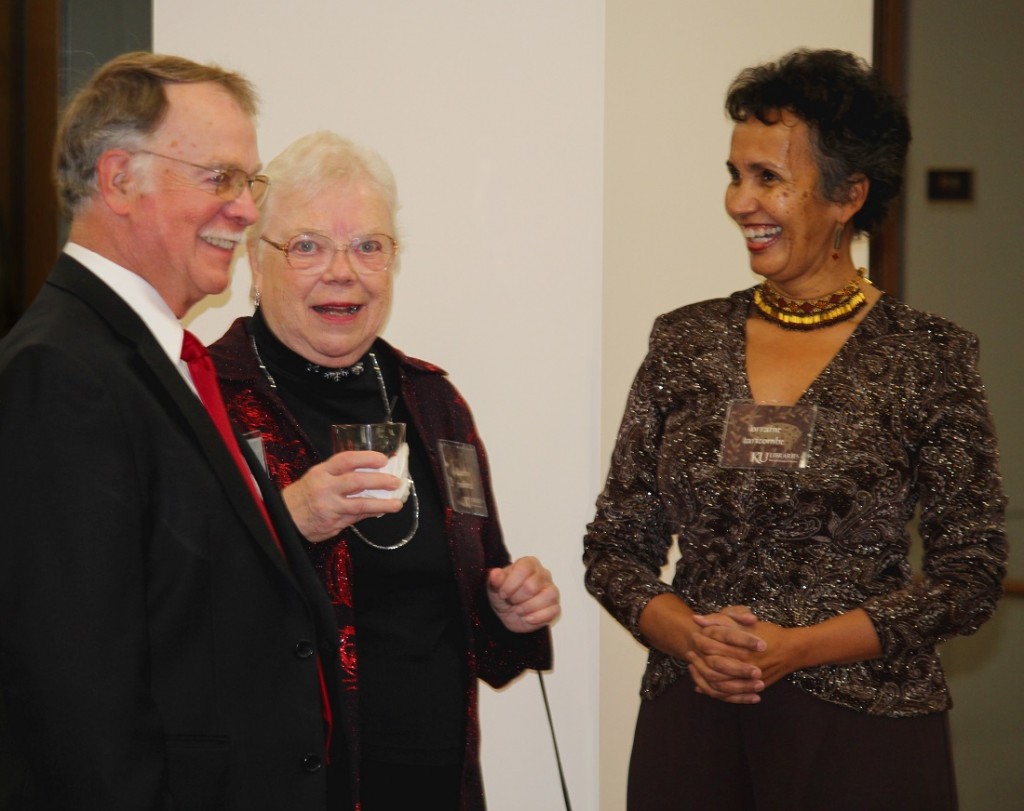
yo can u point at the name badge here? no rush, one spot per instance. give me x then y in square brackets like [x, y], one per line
[254, 439]
[462, 480]
[773, 436]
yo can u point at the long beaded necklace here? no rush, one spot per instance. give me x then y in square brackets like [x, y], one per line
[809, 314]
[389, 418]
[412, 485]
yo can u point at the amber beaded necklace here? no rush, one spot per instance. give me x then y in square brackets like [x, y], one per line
[813, 313]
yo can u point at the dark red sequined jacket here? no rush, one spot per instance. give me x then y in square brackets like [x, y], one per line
[494, 654]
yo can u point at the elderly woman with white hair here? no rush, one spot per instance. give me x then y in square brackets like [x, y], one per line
[426, 595]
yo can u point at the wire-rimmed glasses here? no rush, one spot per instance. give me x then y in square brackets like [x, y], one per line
[227, 183]
[311, 252]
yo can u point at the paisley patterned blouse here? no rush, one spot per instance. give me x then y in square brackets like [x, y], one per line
[902, 422]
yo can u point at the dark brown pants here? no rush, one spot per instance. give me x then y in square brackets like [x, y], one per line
[791, 752]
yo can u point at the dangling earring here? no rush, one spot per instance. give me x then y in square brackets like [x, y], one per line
[256, 298]
[836, 242]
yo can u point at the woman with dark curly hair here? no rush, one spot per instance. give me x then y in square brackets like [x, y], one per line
[785, 435]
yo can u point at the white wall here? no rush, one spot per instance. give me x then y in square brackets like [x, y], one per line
[962, 260]
[561, 167]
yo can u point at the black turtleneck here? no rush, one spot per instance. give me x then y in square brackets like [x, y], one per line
[410, 635]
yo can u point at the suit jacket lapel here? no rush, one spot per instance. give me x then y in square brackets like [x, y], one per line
[76, 279]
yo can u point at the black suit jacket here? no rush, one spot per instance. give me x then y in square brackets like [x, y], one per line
[156, 650]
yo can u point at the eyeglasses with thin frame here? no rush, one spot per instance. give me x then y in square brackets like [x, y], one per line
[311, 252]
[227, 183]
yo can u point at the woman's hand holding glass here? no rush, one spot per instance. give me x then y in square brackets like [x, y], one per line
[321, 502]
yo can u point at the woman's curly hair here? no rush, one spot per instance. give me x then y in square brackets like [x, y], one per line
[858, 128]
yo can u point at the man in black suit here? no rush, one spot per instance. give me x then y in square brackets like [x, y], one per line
[160, 648]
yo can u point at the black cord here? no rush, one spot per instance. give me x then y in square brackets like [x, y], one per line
[554, 740]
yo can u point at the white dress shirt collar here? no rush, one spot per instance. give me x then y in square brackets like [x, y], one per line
[138, 294]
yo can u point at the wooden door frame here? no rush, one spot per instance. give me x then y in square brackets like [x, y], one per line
[30, 42]
[889, 58]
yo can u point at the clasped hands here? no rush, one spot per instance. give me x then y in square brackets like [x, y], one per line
[733, 656]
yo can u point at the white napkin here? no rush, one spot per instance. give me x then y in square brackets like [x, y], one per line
[398, 465]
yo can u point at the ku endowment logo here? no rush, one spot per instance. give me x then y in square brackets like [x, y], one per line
[773, 436]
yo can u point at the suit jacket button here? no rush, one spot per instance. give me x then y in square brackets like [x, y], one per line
[304, 649]
[312, 763]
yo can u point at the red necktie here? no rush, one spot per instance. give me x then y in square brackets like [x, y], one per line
[204, 376]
